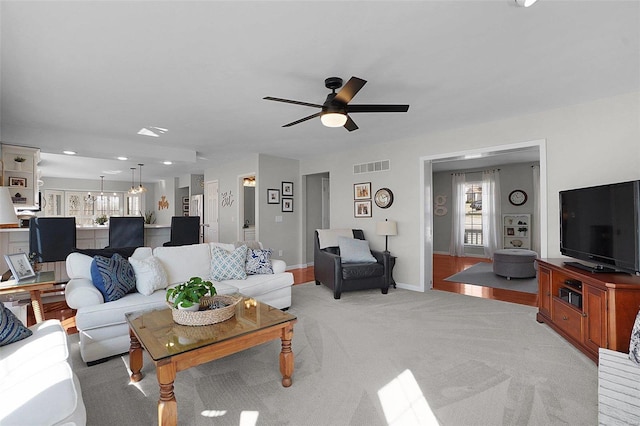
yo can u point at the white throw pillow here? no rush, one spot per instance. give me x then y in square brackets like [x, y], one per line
[150, 275]
[355, 251]
[329, 237]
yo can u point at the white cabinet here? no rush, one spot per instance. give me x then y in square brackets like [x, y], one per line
[516, 231]
[249, 234]
[53, 203]
[21, 176]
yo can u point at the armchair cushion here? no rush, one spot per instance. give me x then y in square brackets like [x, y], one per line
[355, 251]
[356, 271]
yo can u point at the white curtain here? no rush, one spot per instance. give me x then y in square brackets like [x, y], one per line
[535, 219]
[456, 248]
[491, 212]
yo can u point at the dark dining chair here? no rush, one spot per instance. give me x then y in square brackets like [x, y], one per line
[52, 238]
[184, 230]
[126, 232]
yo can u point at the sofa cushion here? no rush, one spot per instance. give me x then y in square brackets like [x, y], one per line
[258, 285]
[634, 342]
[183, 262]
[228, 265]
[355, 251]
[258, 261]
[225, 246]
[106, 314]
[11, 328]
[125, 252]
[113, 276]
[150, 275]
[329, 237]
[250, 244]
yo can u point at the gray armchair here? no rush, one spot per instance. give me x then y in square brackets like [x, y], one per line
[338, 276]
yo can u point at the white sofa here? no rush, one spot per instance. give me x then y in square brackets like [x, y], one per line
[37, 385]
[102, 327]
[618, 389]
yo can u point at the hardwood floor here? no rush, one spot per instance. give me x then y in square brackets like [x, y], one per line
[443, 267]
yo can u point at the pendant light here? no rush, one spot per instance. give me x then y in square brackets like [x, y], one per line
[132, 190]
[141, 188]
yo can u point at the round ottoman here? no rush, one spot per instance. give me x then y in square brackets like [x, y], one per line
[514, 263]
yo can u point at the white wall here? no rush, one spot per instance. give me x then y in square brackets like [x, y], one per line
[587, 144]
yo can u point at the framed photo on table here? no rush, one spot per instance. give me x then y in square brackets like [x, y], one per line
[362, 191]
[20, 266]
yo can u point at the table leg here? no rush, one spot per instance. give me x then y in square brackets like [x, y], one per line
[286, 355]
[36, 304]
[135, 357]
[167, 404]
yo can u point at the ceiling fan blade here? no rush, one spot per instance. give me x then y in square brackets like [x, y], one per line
[289, 101]
[350, 89]
[293, 123]
[378, 108]
[350, 125]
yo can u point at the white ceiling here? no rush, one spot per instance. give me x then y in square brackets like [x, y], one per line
[88, 75]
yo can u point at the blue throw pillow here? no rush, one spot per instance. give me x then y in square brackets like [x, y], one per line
[11, 328]
[259, 261]
[113, 276]
[355, 251]
[228, 265]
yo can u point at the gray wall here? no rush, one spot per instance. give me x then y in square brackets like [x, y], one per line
[512, 176]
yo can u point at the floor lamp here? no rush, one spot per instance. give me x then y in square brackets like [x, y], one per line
[386, 228]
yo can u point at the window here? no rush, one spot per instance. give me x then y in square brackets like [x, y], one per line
[473, 214]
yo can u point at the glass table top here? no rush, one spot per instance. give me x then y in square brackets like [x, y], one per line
[162, 337]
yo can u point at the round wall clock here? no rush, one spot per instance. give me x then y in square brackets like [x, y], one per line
[517, 197]
[384, 198]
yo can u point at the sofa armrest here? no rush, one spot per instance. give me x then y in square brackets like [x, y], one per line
[278, 266]
[81, 292]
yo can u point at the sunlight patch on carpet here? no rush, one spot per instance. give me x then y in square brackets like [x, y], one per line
[403, 402]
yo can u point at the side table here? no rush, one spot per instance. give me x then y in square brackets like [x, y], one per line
[34, 285]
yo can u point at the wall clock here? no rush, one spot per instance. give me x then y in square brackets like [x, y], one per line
[517, 197]
[384, 198]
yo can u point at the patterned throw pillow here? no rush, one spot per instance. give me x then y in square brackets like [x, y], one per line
[228, 265]
[11, 328]
[259, 261]
[114, 276]
[634, 344]
[150, 274]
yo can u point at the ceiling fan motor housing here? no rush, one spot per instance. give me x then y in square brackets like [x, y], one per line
[333, 83]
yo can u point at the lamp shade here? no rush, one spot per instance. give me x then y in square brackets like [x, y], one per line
[8, 218]
[333, 119]
[388, 227]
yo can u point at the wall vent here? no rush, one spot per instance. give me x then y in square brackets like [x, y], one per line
[375, 166]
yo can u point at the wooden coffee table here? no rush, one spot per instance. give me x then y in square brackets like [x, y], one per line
[174, 347]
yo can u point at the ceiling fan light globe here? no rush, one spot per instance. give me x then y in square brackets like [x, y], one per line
[333, 119]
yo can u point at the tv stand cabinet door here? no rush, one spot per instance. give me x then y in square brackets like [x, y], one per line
[596, 324]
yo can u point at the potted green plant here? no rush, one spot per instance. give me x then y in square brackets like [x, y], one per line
[187, 295]
[101, 220]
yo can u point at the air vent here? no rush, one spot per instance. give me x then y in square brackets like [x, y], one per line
[375, 166]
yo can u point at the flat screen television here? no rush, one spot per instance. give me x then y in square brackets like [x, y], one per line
[601, 225]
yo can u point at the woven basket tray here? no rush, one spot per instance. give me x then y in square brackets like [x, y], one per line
[206, 316]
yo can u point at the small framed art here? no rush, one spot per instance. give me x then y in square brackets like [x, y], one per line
[287, 189]
[273, 196]
[287, 204]
[17, 181]
[362, 191]
[362, 208]
[19, 265]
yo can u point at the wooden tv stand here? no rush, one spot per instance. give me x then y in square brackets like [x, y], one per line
[590, 310]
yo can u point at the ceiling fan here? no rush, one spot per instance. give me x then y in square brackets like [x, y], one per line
[336, 109]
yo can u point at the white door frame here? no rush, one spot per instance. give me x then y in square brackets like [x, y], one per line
[211, 222]
[426, 201]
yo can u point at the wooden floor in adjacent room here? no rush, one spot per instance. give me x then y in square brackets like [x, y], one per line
[443, 267]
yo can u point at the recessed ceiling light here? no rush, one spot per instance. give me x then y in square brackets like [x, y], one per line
[153, 131]
[167, 163]
[123, 158]
[525, 3]
[70, 152]
[111, 172]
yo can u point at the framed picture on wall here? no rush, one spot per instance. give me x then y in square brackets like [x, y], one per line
[362, 191]
[287, 189]
[185, 200]
[273, 196]
[362, 208]
[287, 204]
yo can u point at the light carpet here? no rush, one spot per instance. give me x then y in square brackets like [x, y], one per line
[482, 274]
[372, 359]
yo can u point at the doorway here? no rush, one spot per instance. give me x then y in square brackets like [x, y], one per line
[317, 209]
[474, 159]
